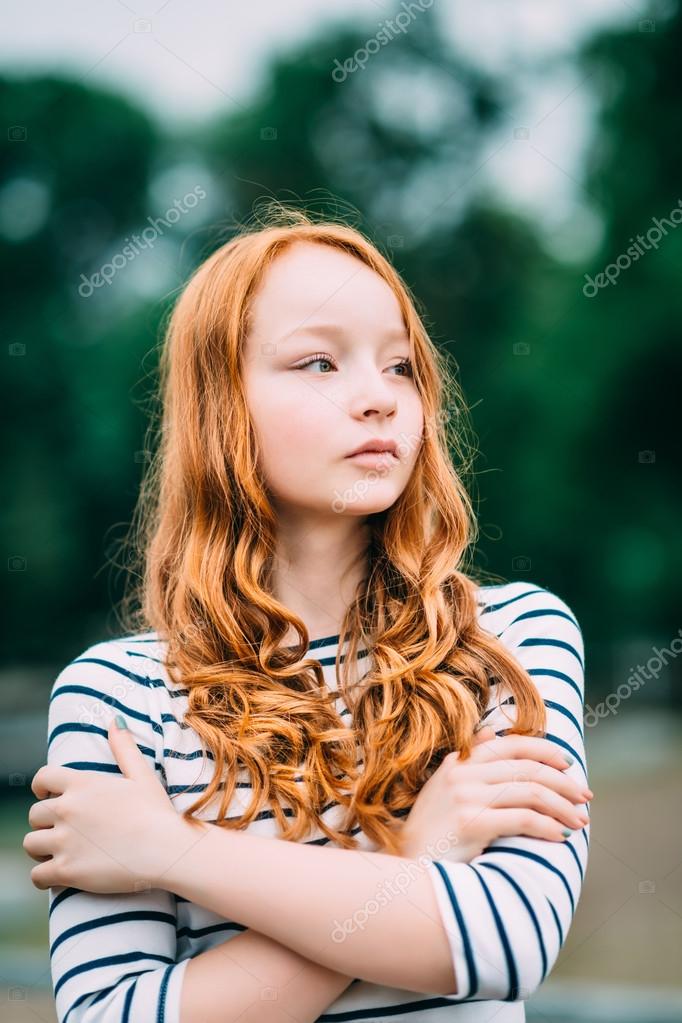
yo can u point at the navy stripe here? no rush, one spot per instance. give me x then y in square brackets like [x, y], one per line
[199, 932]
[568, 844]
[60, 898]
[538, 859]
[126, 1005]
[541, 612]
[95, 964]
[177, 755]
[512, 600]
[504, 940]
[466, 941]
[74, 726]
[171, 719]
[112, 918]
[141, 680]
[146, 657]
[557, 922]
[161, 1011]
[111, 701]
[545, 641]
[531, 912]
[83, 998]
[510, 701]
[401, 1009]
[103, 993]
[552, 673]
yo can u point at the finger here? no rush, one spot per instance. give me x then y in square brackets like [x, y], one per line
[51, 780]
[133, 764]
[530, 770]
[484, 734]
[42, 814]
[524, 823]
[40, 844]
[535, 797]
[507, 747]
[44, 876]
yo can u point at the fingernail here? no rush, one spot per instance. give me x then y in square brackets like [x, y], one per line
[120, 722]
[566, 832]
[568, 758]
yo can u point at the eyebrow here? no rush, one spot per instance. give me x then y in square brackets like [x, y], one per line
[335, 330]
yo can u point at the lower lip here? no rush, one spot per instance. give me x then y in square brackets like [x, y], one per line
[375, 458]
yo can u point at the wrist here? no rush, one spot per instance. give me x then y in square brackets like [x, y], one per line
[173, 840]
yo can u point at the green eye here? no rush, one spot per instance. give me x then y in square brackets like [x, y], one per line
[316, 358]
[404, 363]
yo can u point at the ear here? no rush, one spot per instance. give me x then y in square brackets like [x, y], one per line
[124, 747]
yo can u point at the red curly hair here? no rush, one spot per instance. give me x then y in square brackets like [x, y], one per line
[204, 535]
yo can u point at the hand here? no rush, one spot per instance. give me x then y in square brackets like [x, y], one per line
[510, 785]
[102, 833]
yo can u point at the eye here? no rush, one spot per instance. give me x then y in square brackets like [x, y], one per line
[404, 364]
[320, 357]
[323, 357]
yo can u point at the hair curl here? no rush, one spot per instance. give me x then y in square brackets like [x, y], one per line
[203, 539]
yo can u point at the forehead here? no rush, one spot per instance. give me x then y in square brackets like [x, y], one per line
[311, 282]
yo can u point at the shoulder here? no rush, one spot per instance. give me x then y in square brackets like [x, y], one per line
[125, 673]
[105, 679]
[532, 620]
[107, 660]
[506, 604]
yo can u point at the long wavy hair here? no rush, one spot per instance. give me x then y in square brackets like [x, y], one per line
[203, 539]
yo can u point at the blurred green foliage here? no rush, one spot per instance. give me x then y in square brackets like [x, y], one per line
[567, 392]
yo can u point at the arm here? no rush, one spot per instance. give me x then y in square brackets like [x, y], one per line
[109, 954]
[256, 980]
[508, 911]
[506, 914]
[116, 954]
[321, 902]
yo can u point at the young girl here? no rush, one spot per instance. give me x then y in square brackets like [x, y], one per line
[309, 661]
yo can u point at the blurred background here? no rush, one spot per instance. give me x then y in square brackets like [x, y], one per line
[519, 164]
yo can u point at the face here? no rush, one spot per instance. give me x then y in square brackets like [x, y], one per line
[326, 371]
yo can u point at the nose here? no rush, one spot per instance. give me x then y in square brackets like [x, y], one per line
[372, 396]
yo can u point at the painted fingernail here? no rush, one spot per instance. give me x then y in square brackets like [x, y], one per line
[120, 722]
[566, 832]
[568, 758]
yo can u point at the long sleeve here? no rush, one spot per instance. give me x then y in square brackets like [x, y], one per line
[508, 911]
[112, 957]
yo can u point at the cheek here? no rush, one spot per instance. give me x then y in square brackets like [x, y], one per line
[302, 421]
[296, 432]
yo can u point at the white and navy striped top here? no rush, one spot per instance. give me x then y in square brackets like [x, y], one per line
[121, 958]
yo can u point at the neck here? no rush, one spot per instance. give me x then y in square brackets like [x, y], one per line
[317, 568]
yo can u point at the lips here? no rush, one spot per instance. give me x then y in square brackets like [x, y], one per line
[376, 447]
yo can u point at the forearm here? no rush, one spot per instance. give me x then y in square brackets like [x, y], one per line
[256, 980]
[302, 896]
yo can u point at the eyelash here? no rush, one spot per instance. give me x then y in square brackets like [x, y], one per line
[323, 357]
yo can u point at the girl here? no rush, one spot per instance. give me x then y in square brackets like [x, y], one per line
[310, 660]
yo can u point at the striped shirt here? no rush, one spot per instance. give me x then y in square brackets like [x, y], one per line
[506, 913]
